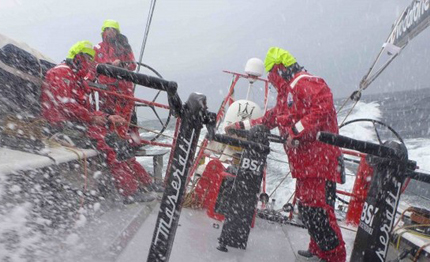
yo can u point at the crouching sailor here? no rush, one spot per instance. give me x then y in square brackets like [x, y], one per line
[304, 107]
[65, 104]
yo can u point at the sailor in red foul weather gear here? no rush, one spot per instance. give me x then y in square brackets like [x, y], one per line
[65, 101]
[115, 50]
[304, 107]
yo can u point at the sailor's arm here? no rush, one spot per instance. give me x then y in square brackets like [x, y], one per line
[319, 99]
[130, 63]
[269, 120]
[61, 88]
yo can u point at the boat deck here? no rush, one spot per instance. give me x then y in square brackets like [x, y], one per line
[15, 161]
[123, 233]
[196, 240]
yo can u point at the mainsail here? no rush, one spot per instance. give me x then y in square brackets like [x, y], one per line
[413, 20]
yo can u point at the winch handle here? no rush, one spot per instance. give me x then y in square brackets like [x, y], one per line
[233, 141]
[244, 133]
[277, 139]
[238, 132]
[362, 146]
[170, 87]
[137, 78]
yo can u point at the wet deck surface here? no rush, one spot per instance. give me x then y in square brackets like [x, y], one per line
[196, 240]
[110, 237]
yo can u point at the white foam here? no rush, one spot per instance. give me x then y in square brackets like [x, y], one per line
[419, 150]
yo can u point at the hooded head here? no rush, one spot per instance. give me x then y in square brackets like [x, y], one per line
[281, 66]
[110, 29]
[276, 56]
[81, 56]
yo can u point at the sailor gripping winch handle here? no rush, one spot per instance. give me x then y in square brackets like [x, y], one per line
[175, 104]
[245, 133]
[234, 141]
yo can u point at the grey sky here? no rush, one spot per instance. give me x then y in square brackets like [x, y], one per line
[191, 42]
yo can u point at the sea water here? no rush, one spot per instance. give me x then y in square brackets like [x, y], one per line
[406, 112]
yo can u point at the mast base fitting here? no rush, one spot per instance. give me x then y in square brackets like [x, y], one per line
[264, 198]
[288, 207]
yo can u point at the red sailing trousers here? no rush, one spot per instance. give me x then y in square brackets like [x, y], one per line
[127, 174]
[316, 199]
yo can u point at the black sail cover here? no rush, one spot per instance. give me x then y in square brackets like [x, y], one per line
[21, 72]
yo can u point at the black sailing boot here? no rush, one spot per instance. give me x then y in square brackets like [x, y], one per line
[305, 253]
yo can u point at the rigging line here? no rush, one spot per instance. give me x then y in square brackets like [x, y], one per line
[347, 228]
[380, 53]
[344, 103]
[277, 160]
[344, 107]
[349, 112]
[370, 80]
[289, 172]
[277, 151]
[366, 81]
[145, 36]
[289, 199]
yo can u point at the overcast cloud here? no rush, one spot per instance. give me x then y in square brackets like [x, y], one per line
[191, 42]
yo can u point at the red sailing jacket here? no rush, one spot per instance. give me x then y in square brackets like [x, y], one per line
[64, 97]
[304, 107]
[107, 54]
